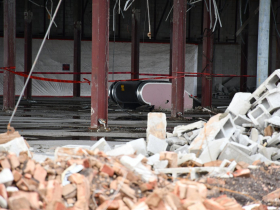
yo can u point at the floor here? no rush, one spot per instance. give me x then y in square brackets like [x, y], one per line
[50, 122]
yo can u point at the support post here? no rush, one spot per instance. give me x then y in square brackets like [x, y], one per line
[170, 49]
[263, 41]
[207, 59]
[244, 47]
[9, 53]
[77, 47]
[135, 43]
[178, 57]
[28, 15]
[100, 62]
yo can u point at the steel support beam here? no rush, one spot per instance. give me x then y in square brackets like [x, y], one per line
[100, 61]
[28, 46]
[135, 42]
[178, 57]
[9, 53]
[77, 47]
[244, 46]
[263, 41]
[207, 59]
[170, 49]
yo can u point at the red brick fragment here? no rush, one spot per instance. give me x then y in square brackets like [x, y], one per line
[241, 173]
[215, 181]
[107, 169]
[40, 173]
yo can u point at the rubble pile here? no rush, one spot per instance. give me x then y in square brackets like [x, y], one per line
[80, 179]
[166, 171]
[248, 131]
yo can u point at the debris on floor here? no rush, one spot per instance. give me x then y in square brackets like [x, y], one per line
[226, 163]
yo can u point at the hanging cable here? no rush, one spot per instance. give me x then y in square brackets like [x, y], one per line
[34, 63]
[150, 33]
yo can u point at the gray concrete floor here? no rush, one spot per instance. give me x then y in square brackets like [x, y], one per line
[50, 122]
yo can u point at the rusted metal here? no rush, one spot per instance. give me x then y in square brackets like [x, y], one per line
[100, 62]
[28, 46]
[178, 56]
[244, 48]
[170, 49]
[77, 47]
[207, 59]
[135, 41]
[9, 53]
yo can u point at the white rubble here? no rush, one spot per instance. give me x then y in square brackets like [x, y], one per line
[16, 146]
[102, 145]
[156, 145]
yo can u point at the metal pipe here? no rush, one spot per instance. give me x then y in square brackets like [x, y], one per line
[263, 41]
[35, 61]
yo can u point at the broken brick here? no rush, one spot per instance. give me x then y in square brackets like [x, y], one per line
[29, 167]
[40, 173]
[107, 169]
[5, 163]
[241, 173]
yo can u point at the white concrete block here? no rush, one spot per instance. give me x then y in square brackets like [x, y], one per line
[274, 141]
[241, 119]
[6, 176]
[242, 148]
[254, 135]
[161, 164]
[260, 157]
[102, 145]
[232, 152]
[182, 158]
[274, 121]
[183, 149]
[152, 159]
[268, 152]
[215, 129]
[126, 149]
[272, 81]
[271, 100]
[156, 145]
[16, 146]
[239, 105]
[259, 115]
[179, 130]
[211, 151]
[156, 125]
[174, 147]
[169, 135]
[139, 145]
[135, 164]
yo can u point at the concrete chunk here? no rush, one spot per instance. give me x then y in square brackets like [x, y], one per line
[156, 145]
[126, 149]
[179, 130]
[239, 104]
[16, 146]
[241, 119]
[156, 125]
[139, 145]
[102, 145]
[232, 152]
[183, 149]
[212, 151]
[6, 176]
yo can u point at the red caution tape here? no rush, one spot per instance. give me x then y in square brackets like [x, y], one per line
[160, 76]
[46, 79]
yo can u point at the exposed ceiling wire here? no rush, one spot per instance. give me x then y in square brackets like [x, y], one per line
[209, 9]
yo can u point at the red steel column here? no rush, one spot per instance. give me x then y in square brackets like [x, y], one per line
[178, 56]
[9, 53]
[77, 47]
[207, 59]
[28, 46]
[100, 61]
[135, 41]
[170, 49]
